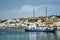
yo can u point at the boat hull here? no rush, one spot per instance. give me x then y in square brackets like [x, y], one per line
[39, 30]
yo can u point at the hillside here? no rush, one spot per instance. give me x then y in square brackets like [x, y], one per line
[51, 19]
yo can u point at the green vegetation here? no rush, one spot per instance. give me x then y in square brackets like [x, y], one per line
[58, 16]
[43, 18]
[2, 21]
[33, 20]
[13, 22]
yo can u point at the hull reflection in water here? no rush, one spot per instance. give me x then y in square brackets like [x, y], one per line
[42, 36]
[22, 35]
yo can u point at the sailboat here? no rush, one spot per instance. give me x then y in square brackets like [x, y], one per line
[32, 27]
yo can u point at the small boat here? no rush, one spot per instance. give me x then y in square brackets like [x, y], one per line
[39, 29]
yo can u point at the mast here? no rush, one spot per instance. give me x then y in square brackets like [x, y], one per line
[46, 15]
[46, 11]
[33, 12]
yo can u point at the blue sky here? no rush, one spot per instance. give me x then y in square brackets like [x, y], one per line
[24, 8]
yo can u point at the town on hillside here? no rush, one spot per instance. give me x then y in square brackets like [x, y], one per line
[17, 23]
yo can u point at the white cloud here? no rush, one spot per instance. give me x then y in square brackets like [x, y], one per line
[28, 8]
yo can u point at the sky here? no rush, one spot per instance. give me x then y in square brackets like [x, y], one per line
[24, 8]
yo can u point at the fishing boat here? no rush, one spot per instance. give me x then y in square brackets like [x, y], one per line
[33, 28]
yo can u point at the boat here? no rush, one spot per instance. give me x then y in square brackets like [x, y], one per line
[39, 30]
[33, 28]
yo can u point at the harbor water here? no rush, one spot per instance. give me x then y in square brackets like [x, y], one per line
[22, 35]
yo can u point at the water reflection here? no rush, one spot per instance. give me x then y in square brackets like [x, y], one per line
[52, 36]
[42, 36]
[28, 36]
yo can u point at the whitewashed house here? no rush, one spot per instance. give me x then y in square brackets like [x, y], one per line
[57, 24]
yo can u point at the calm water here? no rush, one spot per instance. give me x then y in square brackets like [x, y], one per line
[22, 35]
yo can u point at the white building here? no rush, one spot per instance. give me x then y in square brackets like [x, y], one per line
[57, 23]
